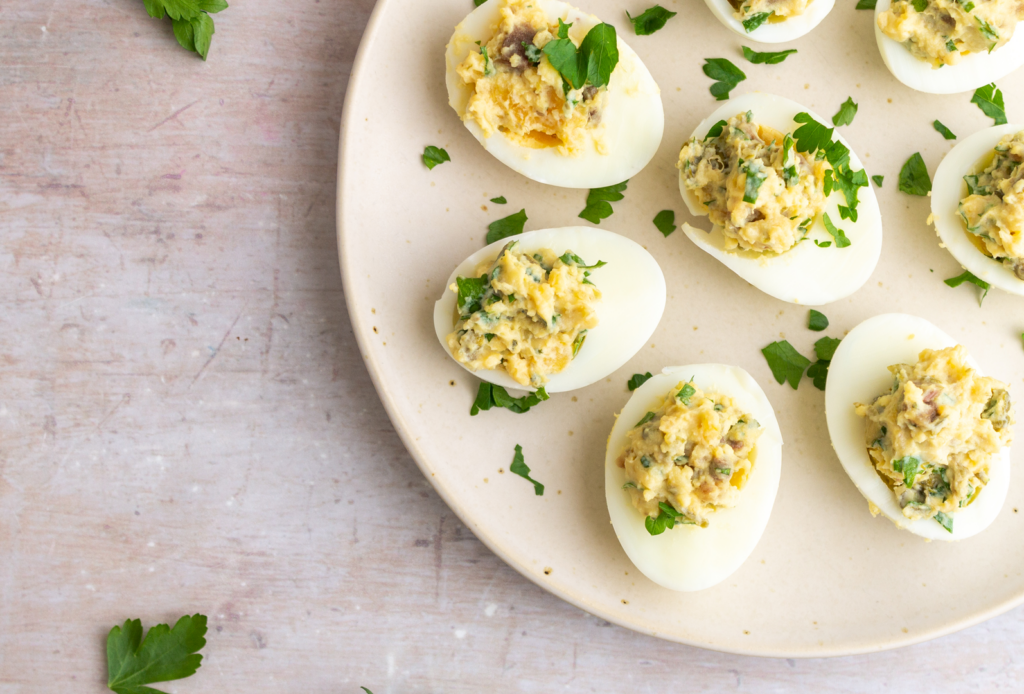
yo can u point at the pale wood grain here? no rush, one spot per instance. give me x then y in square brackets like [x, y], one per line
[186, 423]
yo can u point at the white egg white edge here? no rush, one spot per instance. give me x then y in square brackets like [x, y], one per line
[632, 302]
[773, 32]
[973, 71]
[947, 191]
[806, 274]
[858, 373]
[632, 121]
[687, 558]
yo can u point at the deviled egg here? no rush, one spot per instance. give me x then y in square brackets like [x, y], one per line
[691, 472]
[556, 308]
[921, 432]
[978, 205]
[574, 125]
[770, 21]
[767, 201]
[973, 43]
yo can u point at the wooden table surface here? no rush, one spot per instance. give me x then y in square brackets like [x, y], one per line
[186, 424]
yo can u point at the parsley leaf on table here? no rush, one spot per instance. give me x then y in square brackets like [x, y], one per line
[433, 156]
[665, 221]
[943, 130]
[786, 363]
[914, 179]
[638, 380]
[165, 654]
[650, 20]
[866, 4]
[990, 100]
[500, 200]
[725, 74]
[817, 321]
[838, 234]
[599, 202]
[506, 226]
[490, 395]
[192, 24]
[766, 58]
[878, 180]
[756, 20]
[968, 277]
[519, 467]
[846, 113]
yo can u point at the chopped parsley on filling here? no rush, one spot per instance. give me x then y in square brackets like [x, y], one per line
[525, 313]
[942, 31]
[526, 80]
[756, 186]
[932, 437]
[754, 13]
[993, 210]
[688, 458]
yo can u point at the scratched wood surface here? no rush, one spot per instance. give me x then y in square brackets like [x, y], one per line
[186, 424]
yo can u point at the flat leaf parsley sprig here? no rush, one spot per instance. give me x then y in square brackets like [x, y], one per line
[193, 25]
[165, 654]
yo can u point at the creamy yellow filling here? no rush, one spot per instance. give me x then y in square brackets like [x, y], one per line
[945, 30]
[778, 9]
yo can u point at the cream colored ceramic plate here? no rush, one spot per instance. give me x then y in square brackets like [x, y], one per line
[826, 578]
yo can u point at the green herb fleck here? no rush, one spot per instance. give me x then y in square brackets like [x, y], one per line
[818, 373]
[914, 179]
[638, 380]
[920, 5]
[866, 4]
[500, 200]
[825, 348]
[756, 20]
[165, 654]
[838, 234]
[846, 113]
[599, 202]
[817, 321]
[581, 337]
[519, 467]
[686, 393]
[647, 417]
[665, 221]
[471, 293]
[878, 180]
[506, 226]
[758, 58]
[943, 130]
[726, 76]
[968, 277]
[592, 63]
[786, 363]
[432, 156]
[909, 466]
[822, 244]
[190, 20]
[945, 521]
[650, 20]
[716, 130]
[489, 395]
[665, 520]
[990, 100]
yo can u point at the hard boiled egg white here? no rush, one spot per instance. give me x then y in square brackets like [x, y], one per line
[858, 373]
[687, 557]
[947, 192]
[973, 70]
[805, 274]
[632, 300]
[633, 118]
[773, 32]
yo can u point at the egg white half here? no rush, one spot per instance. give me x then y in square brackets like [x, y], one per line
[805, 274]
[973, 70]
[947, 192]
[689, 558]
[633, 119]
[773, 32]
[858, 373]
[632, 300]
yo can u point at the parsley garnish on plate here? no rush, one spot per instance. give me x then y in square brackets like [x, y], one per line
[665, 520]
[599, 202]
[715, 130]
[591, 63]
[914, 179]
[665, 221]
[191, 20]
[878, 180]
[944, 520]
[638, 380]
[919, 5]
[725, 74]
[490, 395]
[476, 3]
[846, 113]
[500, 200]
[646, 418]
[756, 20]
[838, 234]
[766, 58]
[943, 130]
[786, 363]
[990, 100]
[866, 4]
[519, 467]
[815, 138]
[506, 226]
[968, 277]
[432, 156]
[817, 321]
[650, 20]
[165, 654]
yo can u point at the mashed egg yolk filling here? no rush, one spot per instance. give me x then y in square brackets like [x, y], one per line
[778, 10]
[517, 91]
[530, 316]
[755, 185]
[932, 437]
[694, 453]
[993, 211]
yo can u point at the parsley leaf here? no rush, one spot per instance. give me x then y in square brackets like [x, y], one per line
[825, 348]
[490, 395]
[519, 467]
[990, 100]
[432, 156]
[686, 393]
[500, 200]
[914, 179]
[968, 277]
[638, 380]
[715, 130]
[766, 58]
[471, 293]
[476, 3]
[822, 244]
[593, 62]
[581, 337]
[190, 20]
[812, 135]
[506, 226]
[598, 202]
[165, 654]
[943, 130]
[650, 20]
[665, 221]
[726, 74]
[756, 20]
[562, 55]
[570, 258]
[866, 4]
[818, 373]
[647, 417]
[909, 466]
[817, 321]
[838, 234]
[665, 520]
[944, 520]
[785, 362]
[920, 5]
[846, 113]
[878, 180]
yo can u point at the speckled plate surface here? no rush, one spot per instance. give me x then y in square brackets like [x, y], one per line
[826, 578]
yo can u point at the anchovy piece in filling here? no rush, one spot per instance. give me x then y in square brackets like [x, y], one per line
[932, 437]
[942, 31]
[694, 453]
[993, 211]
[525, 313]
[755, 185]
[518, 92]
